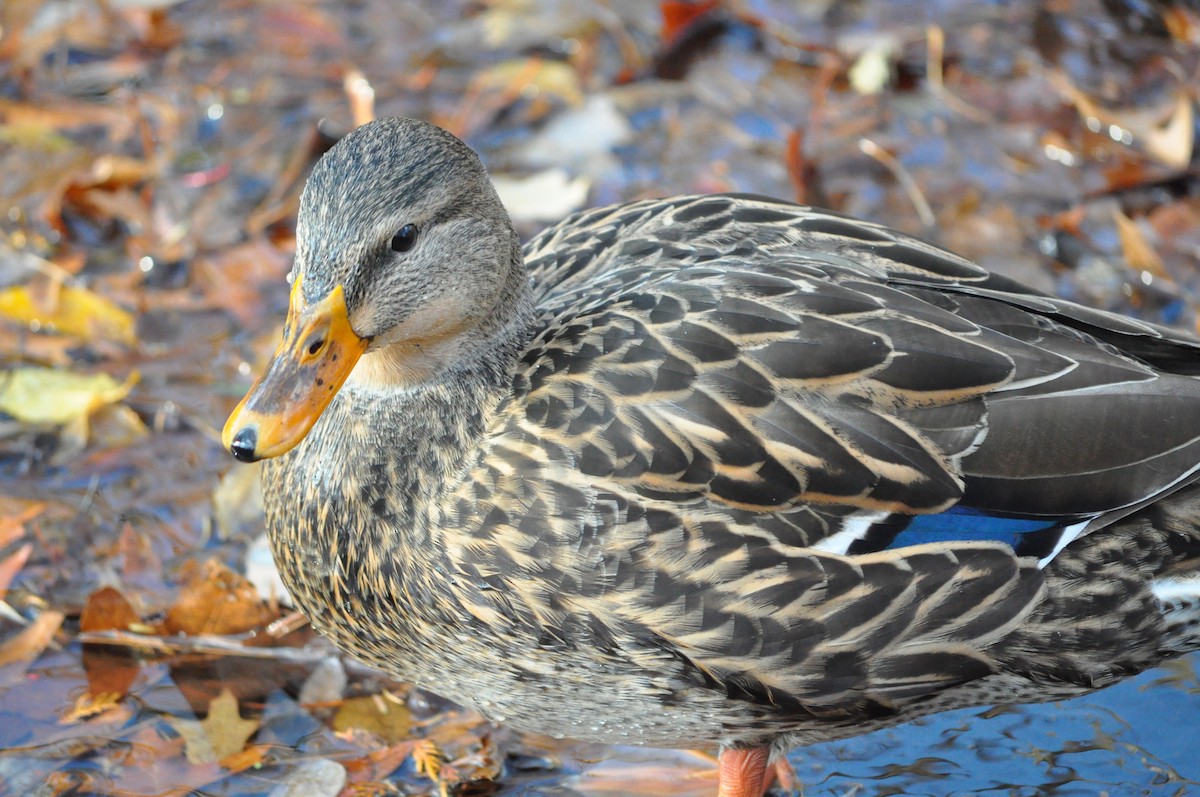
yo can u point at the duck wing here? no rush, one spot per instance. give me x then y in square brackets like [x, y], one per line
[766, 356]
[769, 451]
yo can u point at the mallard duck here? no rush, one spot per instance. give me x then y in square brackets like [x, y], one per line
[718, 472]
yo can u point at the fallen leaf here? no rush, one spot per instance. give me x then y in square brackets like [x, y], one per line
[32, 640]
[110, 669]
[530, 76]
[107, 610]
[382, 715]
[223, 733]
[49, 395]
[11, 565]
[196, 744]
[378, 764]
[226, 730]
[88, 705]
[233, 279]
[1167, 136]
[1137, 250]
[14, 514]
[217, 601]
[51, 306]
[253, 756]
[678, 16]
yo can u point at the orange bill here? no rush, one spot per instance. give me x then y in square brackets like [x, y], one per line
[318, 352]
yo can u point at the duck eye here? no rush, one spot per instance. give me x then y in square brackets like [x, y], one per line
[404, 240]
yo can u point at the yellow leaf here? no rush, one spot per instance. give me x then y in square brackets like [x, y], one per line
[47, 395]
[227, 732]
[69, 310]
[196, 745]
[382, 715]
[88, 705]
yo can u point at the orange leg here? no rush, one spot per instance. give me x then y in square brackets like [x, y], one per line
[783, 774]
[742, 772]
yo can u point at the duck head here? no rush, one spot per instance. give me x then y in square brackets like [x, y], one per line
[404, 255]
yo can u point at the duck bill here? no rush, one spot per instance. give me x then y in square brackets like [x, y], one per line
[318, 352]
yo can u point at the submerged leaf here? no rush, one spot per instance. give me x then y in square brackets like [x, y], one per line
[382, 715]
[226, 730]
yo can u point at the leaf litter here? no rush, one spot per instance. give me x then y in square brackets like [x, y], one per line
[151, 158]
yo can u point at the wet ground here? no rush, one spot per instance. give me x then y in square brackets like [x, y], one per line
[151, 154]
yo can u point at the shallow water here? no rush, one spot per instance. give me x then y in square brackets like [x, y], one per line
[151, 153]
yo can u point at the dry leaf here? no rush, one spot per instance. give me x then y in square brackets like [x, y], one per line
[1137, 250]
[196, 744]
[217, 601]
[382, 715]
[1166, 137]
[29, 644]
[521, 76]
[48, 395]
[226, 730]
[11, 565]
[107, 610]
[378, 764]
[14, 514]
[51, 306]
[88, 705]
[222, 733]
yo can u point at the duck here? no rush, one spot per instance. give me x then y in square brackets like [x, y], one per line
[720, 472]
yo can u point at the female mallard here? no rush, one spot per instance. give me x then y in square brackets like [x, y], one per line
[712, 470]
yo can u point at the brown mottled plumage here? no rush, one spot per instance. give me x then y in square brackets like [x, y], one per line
[650, 480]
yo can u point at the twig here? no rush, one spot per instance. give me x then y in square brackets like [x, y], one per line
[902, 176]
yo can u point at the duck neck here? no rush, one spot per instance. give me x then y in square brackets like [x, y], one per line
[370, 477]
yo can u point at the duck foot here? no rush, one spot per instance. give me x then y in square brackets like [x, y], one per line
[744, 773]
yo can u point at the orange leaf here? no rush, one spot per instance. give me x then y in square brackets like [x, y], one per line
[678, 15]
[1137, 250]
[107, 610]
[217, 601]
[12, 565]
[14, 514]
[29, 644]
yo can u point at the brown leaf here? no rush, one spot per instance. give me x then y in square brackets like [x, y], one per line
[217, 601]
[14, 514]
[679, 16]
[11, 565]
[107, 610]
[109, 670]
[1137, 250]
[29, 644]
[234, 278]
[378, 764]
[252, 756]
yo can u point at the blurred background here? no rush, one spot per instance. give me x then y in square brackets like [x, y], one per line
[151, 158]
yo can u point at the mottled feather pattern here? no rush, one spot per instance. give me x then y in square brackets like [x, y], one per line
[676, 501]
